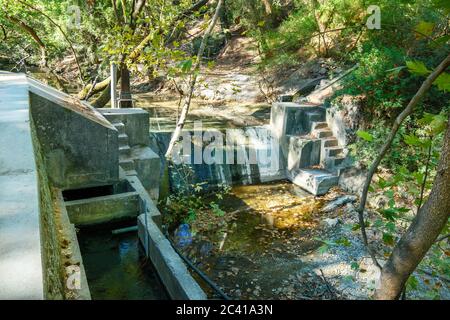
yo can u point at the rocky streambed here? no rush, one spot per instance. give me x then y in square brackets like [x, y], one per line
[275, 241]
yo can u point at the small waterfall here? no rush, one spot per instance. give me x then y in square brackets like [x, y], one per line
[255, 152]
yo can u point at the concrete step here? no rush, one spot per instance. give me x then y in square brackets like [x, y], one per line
[319, 125]
[123, 139]
[331, 142]
[323, 133]
[333, 164]
[124, 150]
[126, 164]
[314, 117]
[131, 172]
[120, 127]
[333, 151]
[315, 181]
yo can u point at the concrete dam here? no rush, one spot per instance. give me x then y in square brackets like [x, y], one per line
[66, 166]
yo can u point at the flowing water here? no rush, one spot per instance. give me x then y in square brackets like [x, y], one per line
[116, 267]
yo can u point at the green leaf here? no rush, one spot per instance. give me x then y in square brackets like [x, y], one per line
[417, 68]
[364, 135]
[388, 239]
[443, 82]
[442, 4]
[411, 140]
[185, 65]
[424, 29]
[440, 41]
[389, 213]
[412, 283]
[439, 124]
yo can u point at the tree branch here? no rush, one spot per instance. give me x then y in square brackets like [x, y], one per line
[397, 123]
[187, 102]
[62, 32]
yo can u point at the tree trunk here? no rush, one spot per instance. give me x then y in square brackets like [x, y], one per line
[125, 88]
[187, 101]
[421, 234]
[104, 85]
[426, 85]
[99, 86]
[22, 25]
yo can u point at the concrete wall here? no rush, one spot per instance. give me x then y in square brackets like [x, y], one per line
[79, 152]
[251, 140]
[288, 118]
[51, 253]
[136, 123]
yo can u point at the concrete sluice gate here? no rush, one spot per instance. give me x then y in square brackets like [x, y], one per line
[66, 166]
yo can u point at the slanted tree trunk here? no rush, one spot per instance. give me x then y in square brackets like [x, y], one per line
[22, 25]
[426, 85]
[422, 232]
[188, 98]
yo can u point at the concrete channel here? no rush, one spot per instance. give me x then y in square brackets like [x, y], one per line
[76, 167]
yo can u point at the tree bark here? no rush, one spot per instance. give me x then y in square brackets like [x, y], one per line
[99, 86]
[422, 232]
[397, 123]
[125, 87]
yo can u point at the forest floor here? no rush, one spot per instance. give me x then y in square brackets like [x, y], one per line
[275, 241]
[234, 93]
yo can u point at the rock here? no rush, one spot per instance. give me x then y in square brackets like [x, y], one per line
[377, 201]
[352, 179]
[330, 223]
[344, 117]
[338, 202]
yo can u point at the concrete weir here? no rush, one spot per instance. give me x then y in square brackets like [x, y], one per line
[76, 167]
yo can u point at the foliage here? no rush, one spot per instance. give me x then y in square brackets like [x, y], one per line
[184, 207]
[102, 35]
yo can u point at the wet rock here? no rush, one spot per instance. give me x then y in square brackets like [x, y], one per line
[338, 202]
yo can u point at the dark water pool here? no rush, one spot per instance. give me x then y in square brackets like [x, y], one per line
[116, 267]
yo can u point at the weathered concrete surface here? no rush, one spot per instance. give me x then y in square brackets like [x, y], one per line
[72, 252]
[315, 181]
[179, 283]
[103, 209]
[288, 118]
[247, 143]
[80, 147]
[135, 155]
[303, 153]
[21, 274]
[147, 166]
[136, 121]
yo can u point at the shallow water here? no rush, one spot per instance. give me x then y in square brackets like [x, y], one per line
[116, 267]
[259, 241]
